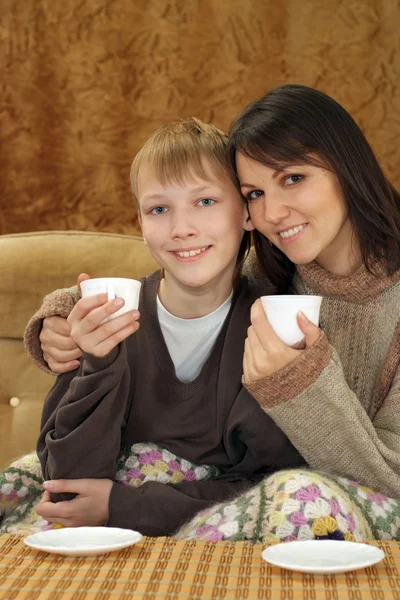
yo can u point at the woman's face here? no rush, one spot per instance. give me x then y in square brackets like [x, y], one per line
[301, 210]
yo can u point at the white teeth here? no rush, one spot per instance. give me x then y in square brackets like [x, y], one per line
[290, 232]
[188, 253]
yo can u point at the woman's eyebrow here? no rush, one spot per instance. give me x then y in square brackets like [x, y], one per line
[281, 169]
[275, 174]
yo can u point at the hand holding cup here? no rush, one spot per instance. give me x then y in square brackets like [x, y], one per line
[265, 351]
[282, 311]
[102, 319]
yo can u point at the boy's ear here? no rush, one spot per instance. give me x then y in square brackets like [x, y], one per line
[248, 223]
[140, 223]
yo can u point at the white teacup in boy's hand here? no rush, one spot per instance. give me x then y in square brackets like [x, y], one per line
[115, 287]
[282, 314]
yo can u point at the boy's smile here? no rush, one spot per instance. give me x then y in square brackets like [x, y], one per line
[190, 254]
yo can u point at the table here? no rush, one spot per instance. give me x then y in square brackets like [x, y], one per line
[171, 569]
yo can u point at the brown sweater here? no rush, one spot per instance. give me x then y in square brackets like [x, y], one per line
[339, 402]
[132, 395]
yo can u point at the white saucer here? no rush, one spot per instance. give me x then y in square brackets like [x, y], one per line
[322, 556]
[82, 541]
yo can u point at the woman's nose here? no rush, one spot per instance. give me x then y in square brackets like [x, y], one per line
[275, 210]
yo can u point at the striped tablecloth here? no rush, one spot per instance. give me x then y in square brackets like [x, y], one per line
[170, 569]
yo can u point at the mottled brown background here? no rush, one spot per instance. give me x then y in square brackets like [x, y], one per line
[83, 83]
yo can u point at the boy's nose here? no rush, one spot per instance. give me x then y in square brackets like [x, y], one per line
[183, 228]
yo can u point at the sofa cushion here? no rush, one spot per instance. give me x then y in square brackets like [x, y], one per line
[31, 266]
[23, 382]
[34, 264]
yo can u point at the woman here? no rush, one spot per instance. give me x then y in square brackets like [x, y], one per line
[328, 223]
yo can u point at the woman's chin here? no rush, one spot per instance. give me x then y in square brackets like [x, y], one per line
[301, 258]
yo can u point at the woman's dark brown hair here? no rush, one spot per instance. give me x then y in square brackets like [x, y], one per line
[295, 124]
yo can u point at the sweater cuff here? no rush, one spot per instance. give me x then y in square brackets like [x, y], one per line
[59, 303]
[294, 378]
[123, 510]
[93, 364]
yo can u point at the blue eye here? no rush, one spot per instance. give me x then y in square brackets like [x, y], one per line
[294, 179]
[254, 194]
[158, 210]
[206, 202]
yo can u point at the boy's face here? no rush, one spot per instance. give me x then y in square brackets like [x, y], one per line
[193, 229]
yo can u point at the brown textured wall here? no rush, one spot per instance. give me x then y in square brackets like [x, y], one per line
[85, 82]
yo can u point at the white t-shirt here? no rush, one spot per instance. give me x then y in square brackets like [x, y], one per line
[190, 341]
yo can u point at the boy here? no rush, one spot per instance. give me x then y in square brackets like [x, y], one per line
[176, 380]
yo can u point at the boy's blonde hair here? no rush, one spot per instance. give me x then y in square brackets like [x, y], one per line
[179, 150]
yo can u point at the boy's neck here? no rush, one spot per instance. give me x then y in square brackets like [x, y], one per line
[191, 303]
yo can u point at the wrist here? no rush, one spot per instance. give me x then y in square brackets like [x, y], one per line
[94, 363]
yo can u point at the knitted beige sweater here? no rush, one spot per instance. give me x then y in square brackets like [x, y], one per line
[339, 402]
[60, 303]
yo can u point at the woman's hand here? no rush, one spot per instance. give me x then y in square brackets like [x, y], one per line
[264, 351]
[59, 350]
[89, 507]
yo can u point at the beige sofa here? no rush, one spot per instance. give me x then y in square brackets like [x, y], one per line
[32, 265]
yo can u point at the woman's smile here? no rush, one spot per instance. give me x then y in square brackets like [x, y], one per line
[300, 209]
[292, 233]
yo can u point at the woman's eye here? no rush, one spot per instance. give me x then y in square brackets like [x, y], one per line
[158, 210]
[254, 194]
[291, 179]
[206, 202]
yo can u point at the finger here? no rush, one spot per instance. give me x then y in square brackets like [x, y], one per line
[246, 362]
[96, 317]
[60, 343]
[50, 339]
[60, 355]
[112, 326]
[255, 346]
[263, 329]
[57, 325]
[72, 486]
[62, 522]
[46, 506]
[310, 330]
[41, 508]
[96, 327]
[256, 355]
[62, 367]
[82, 277]
[105, 347]
[45, 498]
[59, 512]
[86, 305]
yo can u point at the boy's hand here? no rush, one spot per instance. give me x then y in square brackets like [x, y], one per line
[89, 507]
[264, 351]
[88, 329]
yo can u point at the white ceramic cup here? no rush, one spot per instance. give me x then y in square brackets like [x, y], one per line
[115, 287]
[282, 314]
